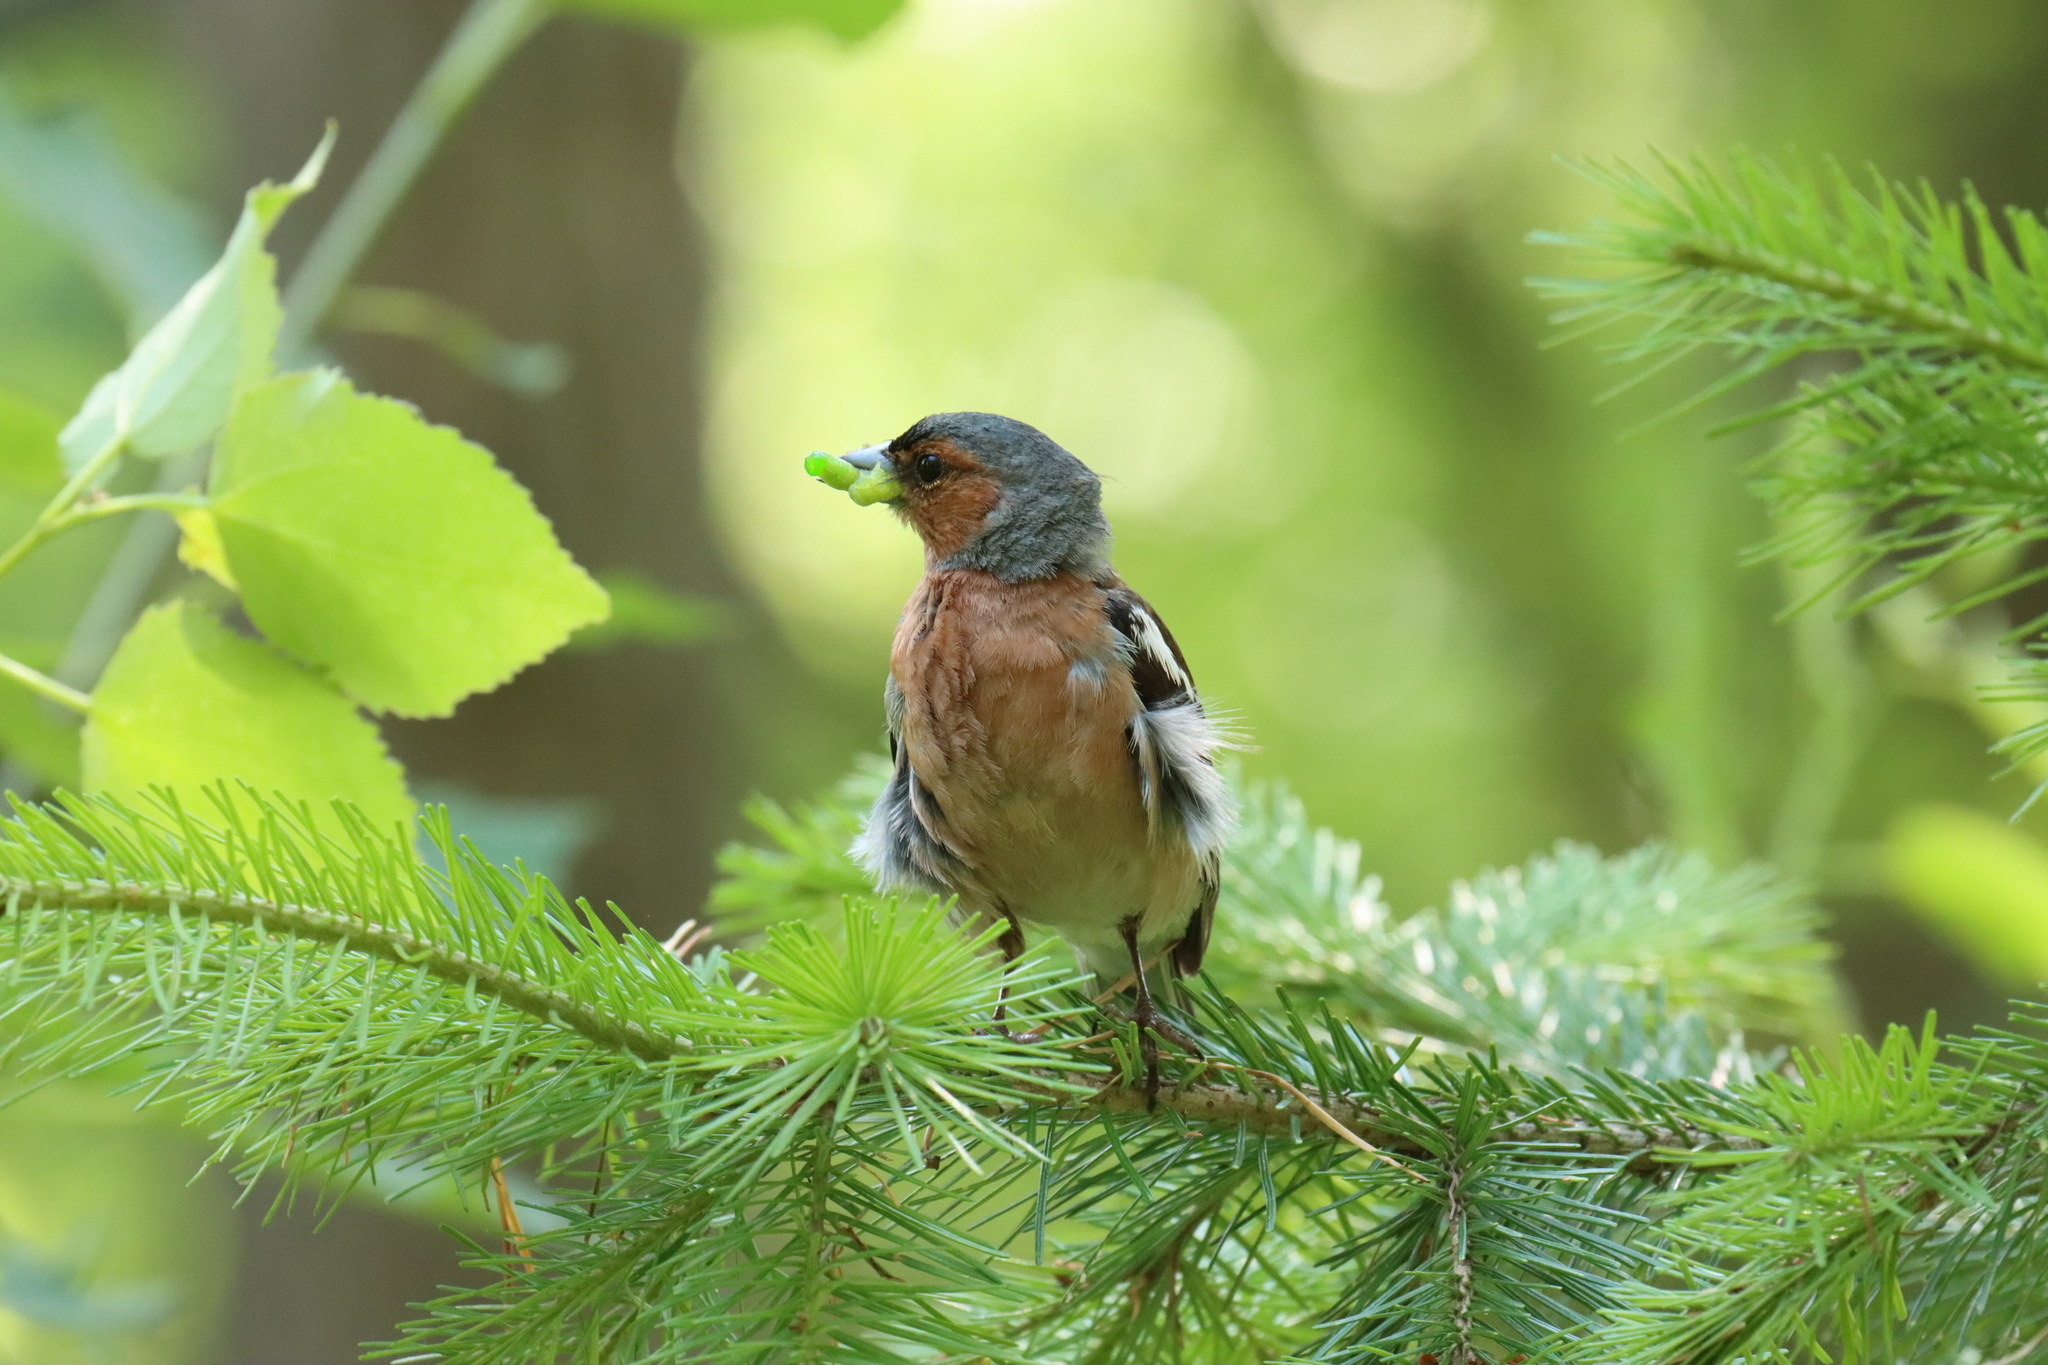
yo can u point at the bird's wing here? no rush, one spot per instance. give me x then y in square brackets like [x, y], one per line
[1158, 669]
[1174, 742]
[898, 847]
[1187, 954]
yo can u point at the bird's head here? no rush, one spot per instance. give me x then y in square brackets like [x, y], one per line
[983, 492]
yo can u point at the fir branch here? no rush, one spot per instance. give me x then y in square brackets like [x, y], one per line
[1873, 1167]
[42, 846]
[1651, 960]
[806, 872]
[1689, 957]
[1916, 434]
[342, 927]
[845, 1160]
[1866, 298]
[1646, 1148]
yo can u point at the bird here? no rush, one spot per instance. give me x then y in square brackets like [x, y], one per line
[1051, 762]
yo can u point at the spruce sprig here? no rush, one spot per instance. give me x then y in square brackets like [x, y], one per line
[822, 1150]
[1916, 330]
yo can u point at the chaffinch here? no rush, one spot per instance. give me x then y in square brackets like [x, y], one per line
[1052, 762]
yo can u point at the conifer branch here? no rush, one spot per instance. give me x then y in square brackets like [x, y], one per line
[1872, 300]
[1283, 1112]
[1459, 1230]
[838, 1158]
[357, 934]
[1922, 446]
[1646, 1148]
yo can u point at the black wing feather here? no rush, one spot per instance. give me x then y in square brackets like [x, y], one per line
[1187, 954]
[1162, 679]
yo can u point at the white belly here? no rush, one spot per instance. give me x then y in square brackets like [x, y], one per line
[1080, 863]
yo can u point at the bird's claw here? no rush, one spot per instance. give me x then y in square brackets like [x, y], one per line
[1153, 1026]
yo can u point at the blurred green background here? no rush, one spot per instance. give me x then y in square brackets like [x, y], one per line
[1259, 262]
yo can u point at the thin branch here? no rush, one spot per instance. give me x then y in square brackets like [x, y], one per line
[817, 1250]
[488, 33]
[118, 595]
[2023, 1352]
[1707, 253]
[330, 926]
[1262, 1114]
[51, 519]
[508, 1215]
[172, 503]
[1328, 1120]
[45, 686]
[1461, 1265]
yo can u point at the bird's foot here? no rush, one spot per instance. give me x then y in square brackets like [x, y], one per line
[1152, 1027]
[998, 1029]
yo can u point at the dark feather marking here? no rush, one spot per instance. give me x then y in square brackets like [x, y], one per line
[930, 813]
[1157, 686]
[892, 711]
[1169, 785]
[934, 599]
[925, 817]
[899, 846]
[1173, 781]
[1187, 954]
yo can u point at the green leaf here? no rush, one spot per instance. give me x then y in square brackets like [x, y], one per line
[29, 463]
[389, 552]
[185, 702]
[846, 18]
[173, 391]
[199, 547]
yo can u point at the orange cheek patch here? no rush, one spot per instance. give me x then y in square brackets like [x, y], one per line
[950, 514]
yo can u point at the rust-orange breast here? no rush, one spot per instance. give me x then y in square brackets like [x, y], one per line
[1015, 712]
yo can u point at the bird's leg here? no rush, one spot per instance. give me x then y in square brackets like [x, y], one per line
[1012, 945]
[1145, 1016]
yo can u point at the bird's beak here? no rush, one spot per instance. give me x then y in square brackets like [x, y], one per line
[865, 475]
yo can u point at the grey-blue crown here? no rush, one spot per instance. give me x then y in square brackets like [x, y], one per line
[1049, 516]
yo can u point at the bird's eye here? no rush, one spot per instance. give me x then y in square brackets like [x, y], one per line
[930, 468]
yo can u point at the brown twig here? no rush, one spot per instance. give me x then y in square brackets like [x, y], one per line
[1221, 1105]
[1324, 1117]
[508, 1216]
[688, 937]
[2023, 1352]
